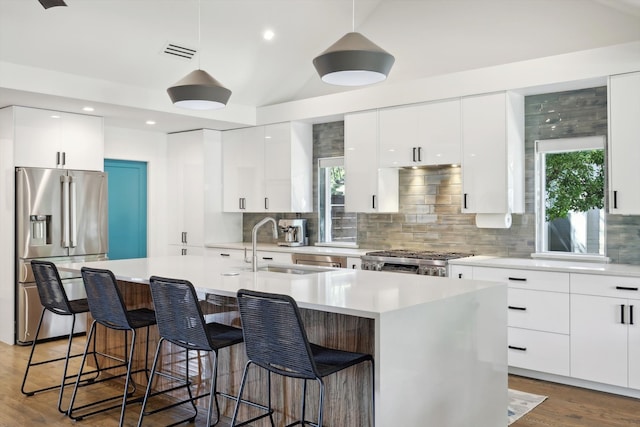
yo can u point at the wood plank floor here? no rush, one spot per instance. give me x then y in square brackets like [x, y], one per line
[565, 407]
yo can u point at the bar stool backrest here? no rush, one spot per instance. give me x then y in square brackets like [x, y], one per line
[52, 294]
[105, 301]
[178, 313]
[274, 335]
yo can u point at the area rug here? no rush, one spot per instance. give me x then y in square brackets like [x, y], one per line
[520, 403]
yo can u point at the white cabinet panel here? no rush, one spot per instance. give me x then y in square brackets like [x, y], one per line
[598, 340]
[607, 286]
[461, 271]
[539, 351]
[493, 153]
[354, 263]
[266, 257]
[243, 170]
[53, 139]
[368, 188]
[525, 279]
[268, 168]
[543, 311]
[420, 135]
[624, 137]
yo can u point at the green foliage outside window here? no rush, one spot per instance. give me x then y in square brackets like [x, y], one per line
[337, 181]
[574, 182]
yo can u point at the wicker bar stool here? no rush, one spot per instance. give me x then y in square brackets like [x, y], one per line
[276, 340]
[54, 299]
[108, 309]
[181, 322]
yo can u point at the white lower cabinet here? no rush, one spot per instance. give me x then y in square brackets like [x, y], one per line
[354, 263]
[605, 329]
[274, 257]
[538, 316]
[460, 272]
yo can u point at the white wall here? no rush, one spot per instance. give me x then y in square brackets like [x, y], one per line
[150, 147]
[7, 235]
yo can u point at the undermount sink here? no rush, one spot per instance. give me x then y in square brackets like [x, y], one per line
[294, 269]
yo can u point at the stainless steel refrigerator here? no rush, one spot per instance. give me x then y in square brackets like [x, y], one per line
[61, 216]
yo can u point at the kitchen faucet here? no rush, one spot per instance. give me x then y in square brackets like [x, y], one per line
[254, 238]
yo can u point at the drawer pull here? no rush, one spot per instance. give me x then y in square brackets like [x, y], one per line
[225, 254]
[513, 347]
[513, 307]
[626, 288]
[267, 258]
[518, 279]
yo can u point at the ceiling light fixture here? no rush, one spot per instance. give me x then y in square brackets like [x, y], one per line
[354, 60]
[268, 35]
[198, 90]
[51, 3]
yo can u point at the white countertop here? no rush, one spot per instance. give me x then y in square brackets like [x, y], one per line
[347, 291]
[551, 265]
[271, 247]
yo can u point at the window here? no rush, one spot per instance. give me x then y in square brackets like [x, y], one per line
[570, 196]
[335, 225]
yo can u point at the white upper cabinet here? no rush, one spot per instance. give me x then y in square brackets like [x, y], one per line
[368, 188]
[268, 168]
[493, 153]
[624, 140]
[53, 139]
[420, 135]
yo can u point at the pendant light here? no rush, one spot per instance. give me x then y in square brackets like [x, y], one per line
[354, 60]
[198, 90]
[52, 3]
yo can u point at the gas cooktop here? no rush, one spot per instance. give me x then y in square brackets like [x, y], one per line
[422, 255]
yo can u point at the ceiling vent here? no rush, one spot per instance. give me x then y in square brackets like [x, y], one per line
[179, 51]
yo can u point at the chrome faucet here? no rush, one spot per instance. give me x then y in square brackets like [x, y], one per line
[254, 238]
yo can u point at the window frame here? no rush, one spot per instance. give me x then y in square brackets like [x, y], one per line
[325, 162]
[562, 145]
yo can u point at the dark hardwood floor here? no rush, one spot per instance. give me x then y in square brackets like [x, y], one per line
[565, 407]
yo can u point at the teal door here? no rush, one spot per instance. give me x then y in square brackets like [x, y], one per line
[127, 183]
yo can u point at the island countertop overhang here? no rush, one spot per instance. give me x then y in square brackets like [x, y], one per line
[345, 291]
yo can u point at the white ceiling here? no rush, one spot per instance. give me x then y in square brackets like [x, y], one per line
[120, 42]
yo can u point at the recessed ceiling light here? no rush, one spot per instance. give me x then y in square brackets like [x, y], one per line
[268, 35]
[150, 122]
[55, 117]
[87, 109]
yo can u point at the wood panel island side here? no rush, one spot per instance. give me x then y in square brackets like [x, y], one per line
[439, 344]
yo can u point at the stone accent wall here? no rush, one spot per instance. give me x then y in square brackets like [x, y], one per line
[430, 216]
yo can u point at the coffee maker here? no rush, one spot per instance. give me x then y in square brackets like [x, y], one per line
[293, 232]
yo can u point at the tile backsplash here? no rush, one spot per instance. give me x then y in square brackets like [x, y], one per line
[429, 216]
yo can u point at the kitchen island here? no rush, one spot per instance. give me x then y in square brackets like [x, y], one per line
[439, 344]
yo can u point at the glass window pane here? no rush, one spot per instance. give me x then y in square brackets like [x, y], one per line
[335, 224]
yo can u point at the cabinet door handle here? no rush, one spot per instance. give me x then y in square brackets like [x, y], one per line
[513, 307]
[615, 199]
[57, 158]
[518, 279]
[631, 315]
[64, 158]
[184, 251]
[464, 203]
[626, 288]
[266, 203]
[513, 347]
[459, 275]
[225, 254]
[419, 154]
[184, 237]
[622, 314]
[373, 201]
[414, 154]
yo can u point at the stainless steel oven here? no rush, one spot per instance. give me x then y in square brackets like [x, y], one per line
[320, 260]
[426, 263]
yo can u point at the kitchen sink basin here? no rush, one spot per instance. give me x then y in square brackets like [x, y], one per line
[294, 269]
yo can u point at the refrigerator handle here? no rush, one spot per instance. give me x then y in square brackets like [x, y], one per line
[65, 211]
[72, 212]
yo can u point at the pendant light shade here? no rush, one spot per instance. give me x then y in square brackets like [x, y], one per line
[354, 60]
[199, 91]
[51, 3]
